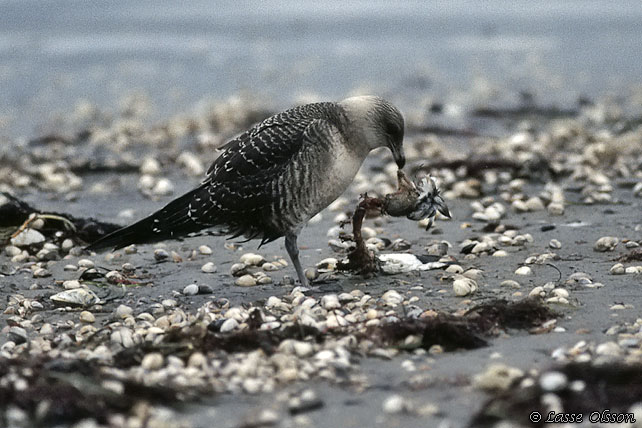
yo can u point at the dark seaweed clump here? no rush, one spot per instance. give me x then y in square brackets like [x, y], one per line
[615, 387]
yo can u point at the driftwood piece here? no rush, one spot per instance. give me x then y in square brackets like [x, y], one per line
[360, 259]
[16, 215]
[409, 200]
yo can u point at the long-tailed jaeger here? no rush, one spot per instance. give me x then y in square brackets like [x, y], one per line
[273, 178]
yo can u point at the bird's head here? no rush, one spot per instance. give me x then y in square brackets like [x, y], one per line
[382, 123]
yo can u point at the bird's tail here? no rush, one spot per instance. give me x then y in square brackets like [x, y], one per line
[173, 221]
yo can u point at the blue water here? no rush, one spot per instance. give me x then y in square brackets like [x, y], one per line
[53, 53]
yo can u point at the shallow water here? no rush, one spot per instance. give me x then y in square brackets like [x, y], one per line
[54, 53]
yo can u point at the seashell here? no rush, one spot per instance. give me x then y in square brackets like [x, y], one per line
[75, 297]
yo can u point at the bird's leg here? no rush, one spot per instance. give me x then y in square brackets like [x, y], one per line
[293, 251]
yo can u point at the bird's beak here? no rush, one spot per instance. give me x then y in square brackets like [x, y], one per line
[397, 154]
[441, 206]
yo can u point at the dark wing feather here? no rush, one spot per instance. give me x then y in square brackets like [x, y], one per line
[243, 178]
[238, 189]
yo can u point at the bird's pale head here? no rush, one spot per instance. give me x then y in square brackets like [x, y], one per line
[382, 124]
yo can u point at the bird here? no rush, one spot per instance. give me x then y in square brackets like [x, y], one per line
[270, 180]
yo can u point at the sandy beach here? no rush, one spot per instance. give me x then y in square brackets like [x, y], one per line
[533, 307]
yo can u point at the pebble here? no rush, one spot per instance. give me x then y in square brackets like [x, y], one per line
[392, 298]
[245, 281]
[67, 244]
[252, 385]
[252, 259]
[114, 277]
[131, 249]
[205, 289]
[606, 243]
[205, 250]
[340, 218]
[150, 166]
[401, 245]
[229, 325]
[209, 267]
[524, 270]
[123, 311]
[71, 284]
[191, 163]
[368, 232]
[534, 204]
[481, 247]
[163, 187]
[261, 418]
[169, 303]
[303, 349]
[519, 206]
[557, 299]
[299, 348]
[27, 237]
[497, 377]
[87, 317]
[560, 292]
[160, 254]
[475, 274]
[269, 267]
[46, 329]
[41, 273]
[311, 273]
[18, 335]
[330, 301]
[617, 269]
[510, 283]
[372, 314]
[190, 290]
[454, 269]
[555, 244]
[152, 361]
[263, 280]
[437, 249]
[238, 269]
[553, 381]
[197, 360]
[537, 292]
[346, 297]
[395, 404]
[305, 401]
[611, 349]
[122, 336]
[11, 250]
[555, 208]
[464, 286]
[47, 254]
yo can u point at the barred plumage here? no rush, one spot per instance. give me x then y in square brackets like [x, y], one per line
[273, 178]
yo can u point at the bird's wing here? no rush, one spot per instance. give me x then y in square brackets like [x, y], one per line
[241, 184]
[270, 143]
[245, 172]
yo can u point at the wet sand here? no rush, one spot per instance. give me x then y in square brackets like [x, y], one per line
[436, 387]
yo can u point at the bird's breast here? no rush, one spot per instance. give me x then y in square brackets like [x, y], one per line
[332, 179]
